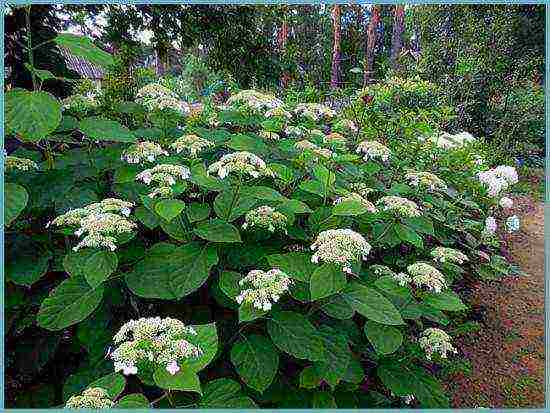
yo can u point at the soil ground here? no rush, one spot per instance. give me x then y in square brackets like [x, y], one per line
[507, 354]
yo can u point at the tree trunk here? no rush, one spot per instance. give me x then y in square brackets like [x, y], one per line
[283, 35]
[335, 73]
[372, 36]
[398, 29]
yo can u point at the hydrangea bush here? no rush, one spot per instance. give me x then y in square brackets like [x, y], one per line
[204, 262]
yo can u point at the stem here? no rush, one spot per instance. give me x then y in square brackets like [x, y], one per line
[235, 195]
[152, 404]
[169, 397]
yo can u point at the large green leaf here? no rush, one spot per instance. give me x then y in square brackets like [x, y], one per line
[82, 46]
[294, 334]
[296, 265]
[384, 339]
[101, 129]
[337, 355]
[99, 266]
[171, 273]
[446, 300]
[225, 393]
[114, 383]
[247, 143]
[197, 212]
[326, 280]
[217, 230]
[69, 303]
[31, 115]
[132, 401]
[169, 208]
[15, 201]
[230, 205]
[183, 380]
[25, 264]
[407, 234]
[336, 306]
[207, 340]
[371, 304]
[263, 193]
[256, 360]
[349, 207]
[247, 312]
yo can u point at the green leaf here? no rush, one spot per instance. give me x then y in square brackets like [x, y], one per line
[371, 304]
[294, 334]
[229, 283]
[172, 274]
[197, 212]
[256, 360]
[247, 312]
[25, 265]
[75, 261]
[218, 392]
[31, 115]
[384, 339]
[350, 207]
[446, 300]
[16, 198]
[264, 193]
[324, 176]
[230, 205]
[323, 400]
[389, 285]
[295, 206]
[420, 224]
[146, 217]
[217, 230]
[207, 340]
[99, 266]
[326, 280]
[296, 265]
[313, 186]
[82, 46]
[310, 378]
[200, 178]
[252, 144]
[183, 380]
[132, 401]
[113, 383]
[100, 129]
[398, 379]
[337, 307]
[69, 303]
[169, 208]
[406, 234]
[337, 355]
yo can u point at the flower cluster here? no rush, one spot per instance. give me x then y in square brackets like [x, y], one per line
[448, 141]
[490, 226]
[162, 341]
[255, 100]
[314, 111]
[305, 145]
[381, 270]
[266, 287]
[506, 202]
[361, 188]
[345, 126]
[80, 103]
[267, 218]
[512, 223]
[143, 151]
[91, 398]
[444, 254]
[426, 180]
[242, 163]
[399, 206]
[434, 340]
[270, 136]
[154, 96]
[191, 143]
[341, 247]
[22, 164]
[373, 150]
[278, 112]
[295, 131]
[164, 176]
[498, 179]
[425, 275]
[100, 222]
[353, 196]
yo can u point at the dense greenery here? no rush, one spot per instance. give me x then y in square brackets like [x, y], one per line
[319, 255]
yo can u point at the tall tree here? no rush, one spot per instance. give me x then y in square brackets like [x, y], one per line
[336, 27]
[372, 36]
[398, 29]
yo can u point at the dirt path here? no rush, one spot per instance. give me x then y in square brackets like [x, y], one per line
[507, 355]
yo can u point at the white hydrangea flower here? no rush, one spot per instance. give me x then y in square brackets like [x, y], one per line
[427, 180]
[191, 143]
[91, 398]
[314, 111]
[79, 102]
[100, 222]
[513, 223]
[436, 341]
[498, 179]
[449, 141]
[381, 270]
[242, 163]
[353, 196]
[361, 188]
[266, 288]
[164, 176]
[373, 150]
[267, 218]
[295, 131]
[22, 164]
[399, 206]
[143, 151]
[341, 247]
[154, 96]
[425, 275]
[163, 341]
[444, 254]
[506, 202]
[254, 100]
[270, 136]
[305, 145]
[490, 226]
[278, 112]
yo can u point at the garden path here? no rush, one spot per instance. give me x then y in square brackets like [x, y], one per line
[507, 355]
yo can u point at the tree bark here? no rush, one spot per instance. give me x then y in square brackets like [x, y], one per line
[398, 29]
[335, 73]
[372, 37]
